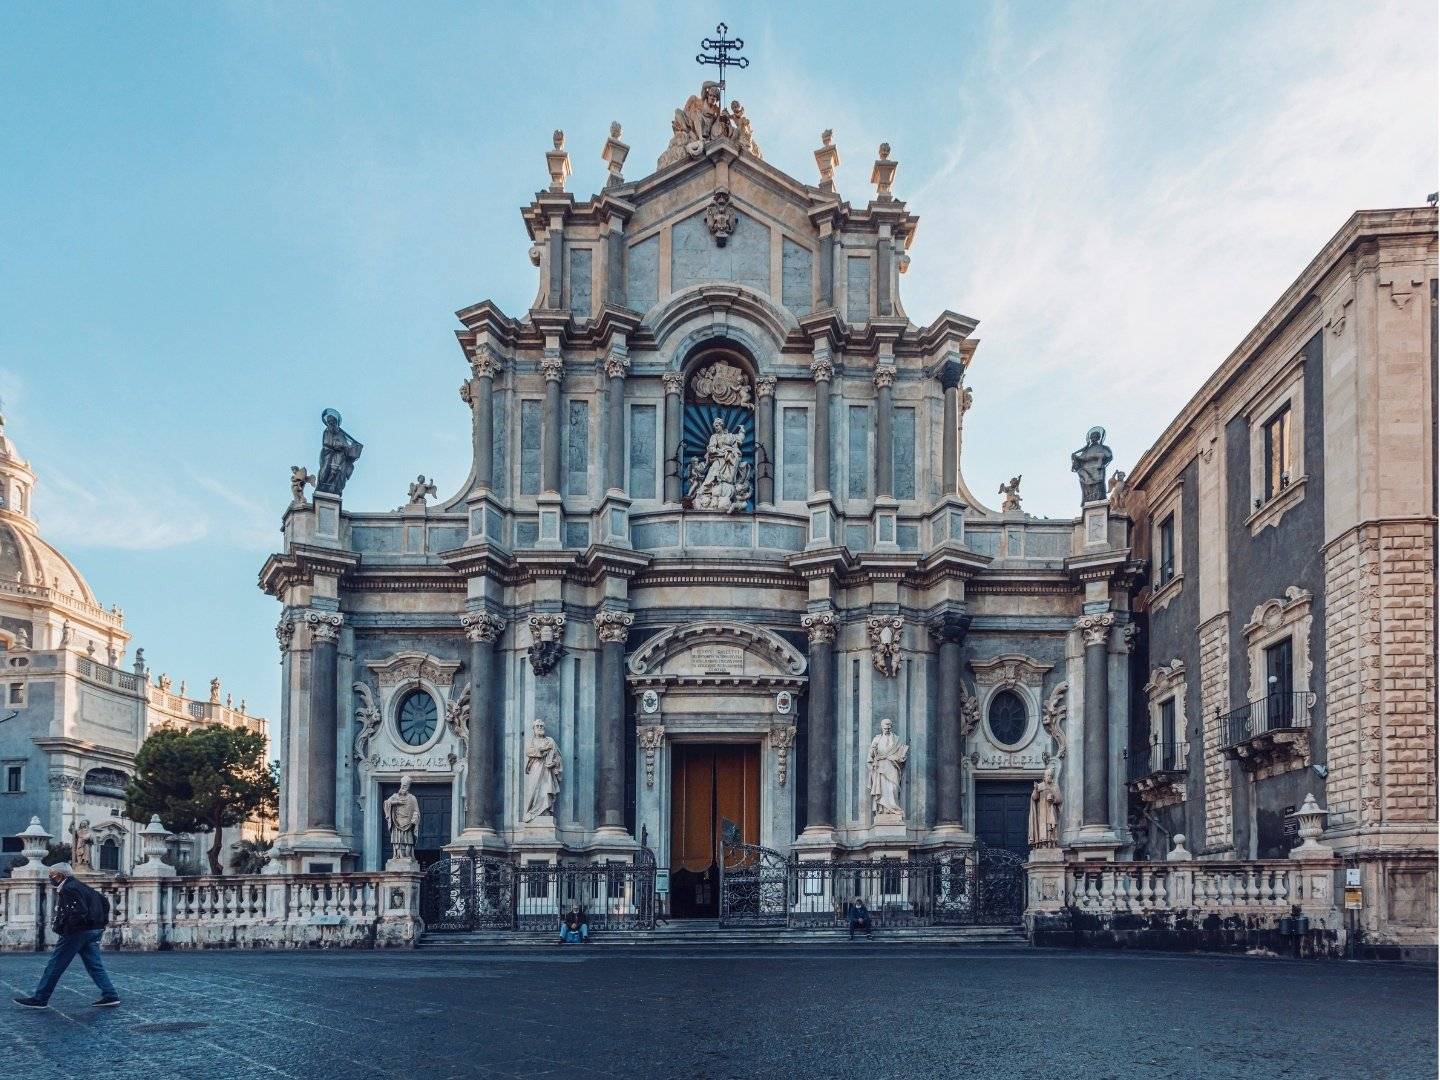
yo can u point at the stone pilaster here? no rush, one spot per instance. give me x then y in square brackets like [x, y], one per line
[950, 376]
[765, 438]
[949, 633]
[552, 367]
[1214, 701]
[674, 384]
[612, 627]
[617, 366]
[1095, 632]
[482, 630]
[822, 369]
[479, 393]
[821, 627]
[884, 440]
[324, 627]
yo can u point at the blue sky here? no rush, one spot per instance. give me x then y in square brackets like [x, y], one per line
[219, 219]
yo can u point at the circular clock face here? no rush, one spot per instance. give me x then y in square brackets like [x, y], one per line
[416, 718]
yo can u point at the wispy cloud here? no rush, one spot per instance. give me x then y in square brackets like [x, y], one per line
[108, 511]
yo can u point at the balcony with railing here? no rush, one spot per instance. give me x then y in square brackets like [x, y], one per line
[1269, 730]
[1158, 776]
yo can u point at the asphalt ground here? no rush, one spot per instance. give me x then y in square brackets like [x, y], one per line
[854, 1011]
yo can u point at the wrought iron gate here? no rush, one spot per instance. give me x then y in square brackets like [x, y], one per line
[490, 892]
[961, 887]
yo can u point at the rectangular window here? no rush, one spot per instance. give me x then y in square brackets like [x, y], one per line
[902, 455]
[858, 484]
[1167, 549]
[530, 448]
[795, 455]
[577, 449]
[14, 778]
[1167, 734]
[1277, 452]
[642, 452]
[16, 696]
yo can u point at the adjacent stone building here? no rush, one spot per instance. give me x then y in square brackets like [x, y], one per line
[1287, 522]
[73, 713]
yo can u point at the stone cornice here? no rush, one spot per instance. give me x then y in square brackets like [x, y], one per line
[301, 564]
[823, 562]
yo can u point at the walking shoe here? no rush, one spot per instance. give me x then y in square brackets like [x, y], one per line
[105, 999]
[32, 1003]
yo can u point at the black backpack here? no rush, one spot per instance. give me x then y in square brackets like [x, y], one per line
[94, 905]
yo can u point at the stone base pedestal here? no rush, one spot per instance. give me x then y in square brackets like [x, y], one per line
[888, 838]
[948, 836]
[310, 852]
[612, 841]
[408, 865]
[539, 838]
[1095, 843]
[817, 844]
[482, 840]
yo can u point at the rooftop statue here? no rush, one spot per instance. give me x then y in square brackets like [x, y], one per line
[1089, 463]
[702, 119]
[338, 453]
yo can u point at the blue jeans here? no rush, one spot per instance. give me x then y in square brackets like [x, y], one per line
[573, 937]
[87, 944]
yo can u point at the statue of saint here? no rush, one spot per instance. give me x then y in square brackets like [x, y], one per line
[402, 816]
[543, 772]
[80, 842]
[726, 483]
[1089, 463]
[338, 452]
[1011, 493]
[886, 764]
[1045, 810]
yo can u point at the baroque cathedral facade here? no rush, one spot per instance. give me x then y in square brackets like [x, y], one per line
[716, 534]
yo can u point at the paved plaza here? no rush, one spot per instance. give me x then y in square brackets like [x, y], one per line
[862, 1011]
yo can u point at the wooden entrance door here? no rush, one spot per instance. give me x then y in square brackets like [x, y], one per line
[1002, 814]
[710, 782]
[434, 834]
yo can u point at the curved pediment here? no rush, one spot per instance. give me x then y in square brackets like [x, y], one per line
[721, 310]
[716, 653]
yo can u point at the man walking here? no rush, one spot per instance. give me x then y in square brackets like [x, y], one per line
[81, 915]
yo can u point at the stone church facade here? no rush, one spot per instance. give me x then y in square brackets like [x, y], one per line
[715, 532]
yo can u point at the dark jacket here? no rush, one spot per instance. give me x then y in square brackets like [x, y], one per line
[77, 909]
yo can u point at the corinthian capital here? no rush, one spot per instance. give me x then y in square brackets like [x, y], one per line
[617, 365]
[674, 382]
[884, 376]
[821, 626]
[481, 627]
[613, 626]
[324, 625]
[1095, 628]
[765, 386]
[553, 368]
[822, 368]
[485, 363]
[284, 632]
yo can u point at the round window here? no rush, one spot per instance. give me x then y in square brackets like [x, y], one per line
[417, 718]
[1007, 718]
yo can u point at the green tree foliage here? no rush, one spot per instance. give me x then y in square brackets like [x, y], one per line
[202, 780]
[251, 856]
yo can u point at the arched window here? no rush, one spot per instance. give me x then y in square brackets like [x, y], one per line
[1008, 718]
[110, 854]
[416, 718]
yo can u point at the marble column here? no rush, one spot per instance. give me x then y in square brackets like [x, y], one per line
[479, 392]
[884, 439]
[611, 627]
[553, 368]
[1095, 774]
[483, 630]
[617, 365]
[950, 378]
[949, 744]
[765, 438]
[674, 383]
[820, 719]
[822, 368]
[324, 627]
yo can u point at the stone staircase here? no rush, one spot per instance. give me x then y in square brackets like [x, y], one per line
[702, 933]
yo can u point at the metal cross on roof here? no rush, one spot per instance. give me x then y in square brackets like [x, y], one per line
[721, 57]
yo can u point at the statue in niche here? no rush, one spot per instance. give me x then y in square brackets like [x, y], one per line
[80, 845]
[402, 817]
[723, 383]
[1045, 810]
[1089, 463]
[885, 765]
[1011, 493]
[725, 486]
[544, 770]
[338, 452]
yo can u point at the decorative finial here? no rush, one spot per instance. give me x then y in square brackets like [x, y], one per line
[884, 151]
[557, 161]
[883, 174]
[615, 129]
[827, 137]
[827, 159]
[559, 138]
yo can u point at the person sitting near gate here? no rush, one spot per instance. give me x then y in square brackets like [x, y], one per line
[860, 919]
[574, 930]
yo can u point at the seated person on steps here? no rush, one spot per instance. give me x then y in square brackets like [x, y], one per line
[573, 928]
[860, 919]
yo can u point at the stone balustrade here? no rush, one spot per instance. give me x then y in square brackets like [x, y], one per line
[262, 911]
[1284, 905]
